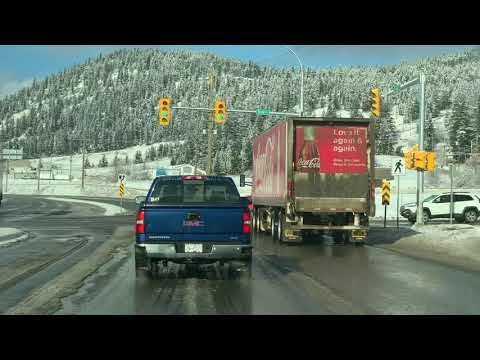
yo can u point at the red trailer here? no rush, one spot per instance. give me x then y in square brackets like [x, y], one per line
[312, 175]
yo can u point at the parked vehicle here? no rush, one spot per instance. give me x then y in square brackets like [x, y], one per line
[193, 219]
[314, 175]
[466, 208]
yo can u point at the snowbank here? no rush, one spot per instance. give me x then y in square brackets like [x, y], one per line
[110, 210]
[457, 244]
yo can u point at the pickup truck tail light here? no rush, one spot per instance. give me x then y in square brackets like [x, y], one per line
[140, 228]
[246, 223]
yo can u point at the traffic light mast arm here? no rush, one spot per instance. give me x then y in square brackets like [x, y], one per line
[403, 87]
[233, 110]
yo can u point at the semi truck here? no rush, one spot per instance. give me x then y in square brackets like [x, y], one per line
[313, 176]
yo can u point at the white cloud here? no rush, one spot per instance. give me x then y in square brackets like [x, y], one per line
[9, 84]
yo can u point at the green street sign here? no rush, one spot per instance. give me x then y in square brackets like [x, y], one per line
[396, 87]
[263, 112]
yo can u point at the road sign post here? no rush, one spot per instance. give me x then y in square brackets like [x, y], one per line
[398, 201]
[122, 178]
[385, 199]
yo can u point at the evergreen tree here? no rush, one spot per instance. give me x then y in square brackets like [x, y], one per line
[385, 132]
[477, 123]
[87, 164]
[429, 134]
[103, 162]
[138, 157]
[460, 129]
[127, 161]
[160, 153]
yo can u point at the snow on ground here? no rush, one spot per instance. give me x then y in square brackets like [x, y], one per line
[457, 244]
[110, 210]
[17, 235]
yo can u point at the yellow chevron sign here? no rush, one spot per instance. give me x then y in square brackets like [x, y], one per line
[122, 189]
[386, 193]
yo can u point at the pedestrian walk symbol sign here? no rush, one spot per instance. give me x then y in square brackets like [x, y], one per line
[398, 167]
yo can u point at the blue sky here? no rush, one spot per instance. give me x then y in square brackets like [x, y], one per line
[20, 64]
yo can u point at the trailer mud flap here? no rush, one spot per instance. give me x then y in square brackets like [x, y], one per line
[292, 235]
[359, 235]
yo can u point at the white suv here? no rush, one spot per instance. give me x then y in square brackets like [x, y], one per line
[466, 208]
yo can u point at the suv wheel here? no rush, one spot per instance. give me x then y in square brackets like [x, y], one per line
[471, 216]
[426, 216]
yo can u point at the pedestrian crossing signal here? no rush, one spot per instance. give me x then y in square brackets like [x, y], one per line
[386, 193]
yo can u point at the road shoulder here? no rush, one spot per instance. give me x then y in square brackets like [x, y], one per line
[47, 299]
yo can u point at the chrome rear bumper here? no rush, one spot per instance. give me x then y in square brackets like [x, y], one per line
[213, 252]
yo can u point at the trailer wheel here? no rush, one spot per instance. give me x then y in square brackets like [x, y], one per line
[273, 225]
[281, 227]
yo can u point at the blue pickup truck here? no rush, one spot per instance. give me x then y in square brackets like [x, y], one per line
[192, 220]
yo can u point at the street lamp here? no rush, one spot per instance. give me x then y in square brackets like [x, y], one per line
[301, 80]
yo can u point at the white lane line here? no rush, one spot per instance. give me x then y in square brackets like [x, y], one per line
[110, 210]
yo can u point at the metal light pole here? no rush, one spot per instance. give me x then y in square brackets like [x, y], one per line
[420, 174]
[301, 80]
[211, 85]
[39, 173]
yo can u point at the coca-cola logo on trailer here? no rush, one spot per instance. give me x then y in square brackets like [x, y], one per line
[309, 164]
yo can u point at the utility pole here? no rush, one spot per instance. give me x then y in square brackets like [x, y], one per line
[451, 191]
[70, 174]
[6, 176]
[83, 165]
[38, 173]
[211, 85]
[83, 161]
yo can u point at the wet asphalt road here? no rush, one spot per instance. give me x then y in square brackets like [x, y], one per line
[315, 278]
[61, 235]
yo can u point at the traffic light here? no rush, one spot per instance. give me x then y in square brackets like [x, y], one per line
[420, 160]
[386, 193]
[409, 160]
[220, 112]
[431, 161]
[376, 102]
[165, 114]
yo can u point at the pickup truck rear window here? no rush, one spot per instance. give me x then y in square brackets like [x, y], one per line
[194, 191]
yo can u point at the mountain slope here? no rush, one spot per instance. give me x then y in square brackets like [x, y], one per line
[113, 101]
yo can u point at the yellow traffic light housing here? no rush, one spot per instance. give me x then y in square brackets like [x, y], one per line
[431, 161]
[409, 160]
[420, 160]
[220, 112]
[376, 102]
[165, 113]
